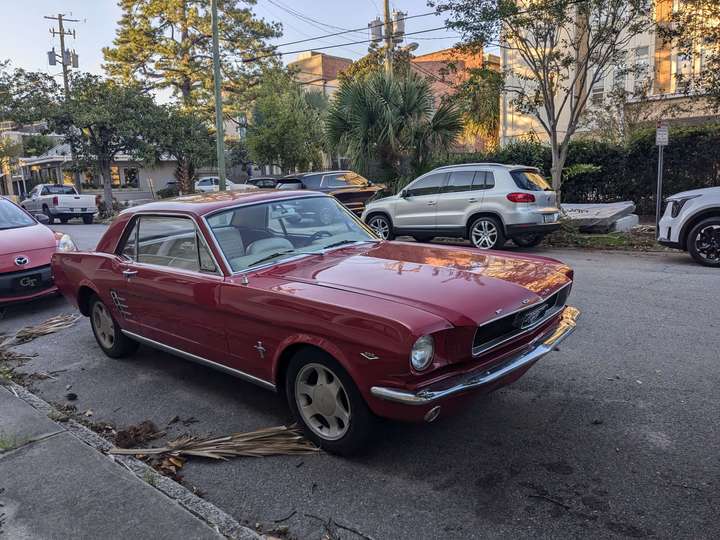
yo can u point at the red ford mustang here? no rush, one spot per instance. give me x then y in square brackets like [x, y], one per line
[26, 246]
[346, 326]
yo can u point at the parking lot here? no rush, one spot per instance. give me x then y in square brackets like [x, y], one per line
[615, 435]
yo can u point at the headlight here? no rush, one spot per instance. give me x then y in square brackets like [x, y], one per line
[678, 203]
[66, 244]
[422, 353]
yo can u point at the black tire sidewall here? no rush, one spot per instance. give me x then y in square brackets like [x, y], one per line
[691, 241]
[536, 240]
[361, 418]
[387, 220]
[87, 220]
[123, 345]
[499, 243]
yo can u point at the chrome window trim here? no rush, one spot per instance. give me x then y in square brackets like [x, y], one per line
[477, 351]
[286, 259]
[200, 360]
[159, 213]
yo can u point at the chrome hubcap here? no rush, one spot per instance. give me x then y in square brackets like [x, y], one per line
[707, 243]
[484, 234]
[322, 402]
[103, 325]
[380, 226]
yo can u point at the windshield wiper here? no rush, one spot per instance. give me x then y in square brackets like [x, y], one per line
[277, 254]
[342, 243]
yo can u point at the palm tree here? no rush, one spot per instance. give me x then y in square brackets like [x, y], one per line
[391, 122]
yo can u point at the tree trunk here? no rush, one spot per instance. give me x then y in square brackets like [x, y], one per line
[106, 180]
[558, 162]
[184, 173]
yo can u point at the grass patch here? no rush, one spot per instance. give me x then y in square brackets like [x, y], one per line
[9, 442]
[638, 239]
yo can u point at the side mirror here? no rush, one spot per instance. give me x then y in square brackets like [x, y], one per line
[42, 218]
[404, 194]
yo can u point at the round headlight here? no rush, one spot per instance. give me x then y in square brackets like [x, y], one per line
[66, 244]
[422, 353]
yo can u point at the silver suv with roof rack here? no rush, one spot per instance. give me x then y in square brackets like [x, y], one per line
[487, 203]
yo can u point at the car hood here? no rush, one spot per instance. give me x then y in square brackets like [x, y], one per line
[463, 286]
[37, 243]
[703, 191]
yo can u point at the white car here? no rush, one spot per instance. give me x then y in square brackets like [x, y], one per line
[61, 202]
[207, 184]
[691, 222]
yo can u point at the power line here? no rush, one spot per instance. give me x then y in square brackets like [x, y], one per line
[310, 20]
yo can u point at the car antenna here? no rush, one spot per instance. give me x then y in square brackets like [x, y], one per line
[244, 280]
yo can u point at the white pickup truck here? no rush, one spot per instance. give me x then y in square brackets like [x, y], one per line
[61, 202]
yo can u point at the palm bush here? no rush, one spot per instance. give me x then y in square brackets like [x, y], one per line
[390, 123]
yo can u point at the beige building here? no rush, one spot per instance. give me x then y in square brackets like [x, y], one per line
[650, 80]
[319, 71]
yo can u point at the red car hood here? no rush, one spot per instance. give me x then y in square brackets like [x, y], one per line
[37, 243]
[464, 286]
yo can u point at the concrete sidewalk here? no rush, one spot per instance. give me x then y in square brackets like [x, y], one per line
[54, 485]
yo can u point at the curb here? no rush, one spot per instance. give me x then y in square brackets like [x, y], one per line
[222, 522]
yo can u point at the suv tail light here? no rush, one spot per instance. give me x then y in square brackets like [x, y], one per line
[56, 201]
[521, 197]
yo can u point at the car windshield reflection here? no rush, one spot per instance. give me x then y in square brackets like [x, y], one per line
[256, 234]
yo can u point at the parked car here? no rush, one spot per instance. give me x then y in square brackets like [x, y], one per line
[207, 184]
[26, 246]
[350, 188]
[486, 203]
[263, 182]
[691, 222]
[346, 326]
[61, 202]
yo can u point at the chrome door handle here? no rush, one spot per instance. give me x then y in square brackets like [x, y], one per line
[432, 203]
[129, 273]
[473, 200]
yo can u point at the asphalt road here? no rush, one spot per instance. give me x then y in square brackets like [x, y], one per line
[616, 435]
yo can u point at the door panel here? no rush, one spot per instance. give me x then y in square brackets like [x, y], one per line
[463, 189]
[418, 208]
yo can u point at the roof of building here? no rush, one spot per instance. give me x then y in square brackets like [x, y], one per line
[60, 153]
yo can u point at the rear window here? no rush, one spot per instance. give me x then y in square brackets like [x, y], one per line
[59, 190]
[530, 181]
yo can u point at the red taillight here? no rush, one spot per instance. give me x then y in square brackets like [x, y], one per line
[521, 197]
[56, 201]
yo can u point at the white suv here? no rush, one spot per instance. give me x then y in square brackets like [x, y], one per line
[484, 202]
[691, 222]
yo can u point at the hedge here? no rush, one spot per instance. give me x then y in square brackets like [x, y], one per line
[610, 173]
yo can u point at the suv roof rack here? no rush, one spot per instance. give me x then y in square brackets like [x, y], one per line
[486, 164]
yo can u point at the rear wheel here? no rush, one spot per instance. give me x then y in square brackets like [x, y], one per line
[107, 333]
[381, 225]
[87, 220]
[63, 219]
[486, 233]
[46, 211]
[528, 240]
[327, 404]
[704, 242]
[422, 238]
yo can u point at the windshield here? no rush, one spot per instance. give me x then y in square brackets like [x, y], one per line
[251, 235]
[12, 217]
[60, 190]
[530, 181]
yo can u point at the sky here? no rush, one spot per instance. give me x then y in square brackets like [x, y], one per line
[25, 37]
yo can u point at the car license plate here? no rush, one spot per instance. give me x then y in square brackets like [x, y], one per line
[28, 282]
[550, 218]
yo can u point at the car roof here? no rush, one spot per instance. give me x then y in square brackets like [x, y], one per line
[201, 204]
[498, 165]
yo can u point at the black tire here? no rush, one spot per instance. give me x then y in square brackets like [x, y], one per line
[63, 219]
[703, 242]
[51, 218]
[495, 241]
[379, 223]
[528, 240]
[359, 428]
[87, 220]
[120, 345]
[422, 238]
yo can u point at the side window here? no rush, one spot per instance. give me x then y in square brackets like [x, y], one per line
[45, 191]
[168, 241]
[426, 186]
[312, 181]
[489, 180]
[483, 180]
[129, 248]
[216, 181]
[207, 263]
[334, 181]
[460, 181]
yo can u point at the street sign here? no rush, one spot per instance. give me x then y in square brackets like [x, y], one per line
[661, 135]
[661, 140]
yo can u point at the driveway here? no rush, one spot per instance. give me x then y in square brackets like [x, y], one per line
[616, 435]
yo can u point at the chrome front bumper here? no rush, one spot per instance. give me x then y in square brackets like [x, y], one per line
[472, 381]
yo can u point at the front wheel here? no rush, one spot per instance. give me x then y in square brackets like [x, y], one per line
[380, 224]
[528, 240]
[87, 220]
[107, 333]
[327, 404]
[486, 233]
[704, 242]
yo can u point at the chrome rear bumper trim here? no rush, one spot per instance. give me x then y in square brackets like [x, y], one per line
[539, 348]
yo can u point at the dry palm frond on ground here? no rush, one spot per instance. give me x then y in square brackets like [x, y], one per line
[52, 325]
[273, 441]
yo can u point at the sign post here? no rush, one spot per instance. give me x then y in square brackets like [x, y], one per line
[661, 140]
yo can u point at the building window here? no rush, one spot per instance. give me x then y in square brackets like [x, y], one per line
[642, 68]
[131, 177]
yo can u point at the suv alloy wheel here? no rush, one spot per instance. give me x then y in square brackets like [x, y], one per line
[486, 233]
[381, 226]
[704, 242]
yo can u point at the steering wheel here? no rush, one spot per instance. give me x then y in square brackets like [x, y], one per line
[317, 235]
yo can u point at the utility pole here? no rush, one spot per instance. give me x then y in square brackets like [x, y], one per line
[219, 129]
[67, 59]
[388, 38]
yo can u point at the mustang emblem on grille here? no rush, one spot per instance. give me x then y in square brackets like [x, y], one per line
[21, 260]
[530, 317]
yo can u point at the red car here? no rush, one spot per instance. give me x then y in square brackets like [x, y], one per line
[346, 326]
[26, 246]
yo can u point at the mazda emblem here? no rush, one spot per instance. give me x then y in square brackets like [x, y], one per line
[21, 260]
